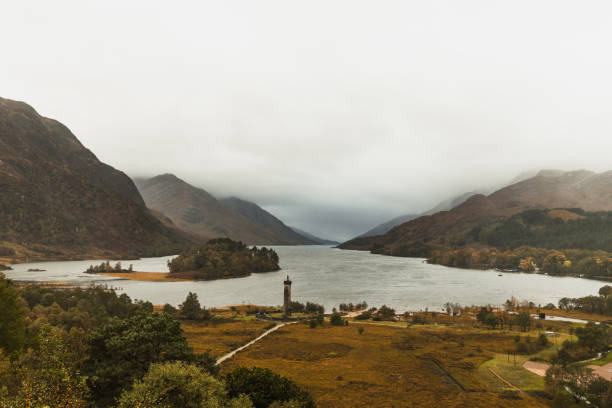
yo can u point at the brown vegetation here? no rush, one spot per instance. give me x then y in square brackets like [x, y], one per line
[60, 202]
[387, 364]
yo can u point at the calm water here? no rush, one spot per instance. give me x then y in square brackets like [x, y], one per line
[332, 276]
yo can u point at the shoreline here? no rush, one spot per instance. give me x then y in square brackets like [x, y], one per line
[145, 276]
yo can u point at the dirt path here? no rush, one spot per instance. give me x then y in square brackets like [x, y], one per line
[508, 383]
[250, 343]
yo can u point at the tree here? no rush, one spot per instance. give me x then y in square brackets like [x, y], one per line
[190, 308]
[594, 337]
[169, 309]
[386, 313]
[12, 317]
[336, 319]
[482, 314]
[605, 291]
[523, 320]
[178, 384]
[320, 318]
[121, 350]
[264, 387]
[207, 362]
[491, 320]
[47, 378]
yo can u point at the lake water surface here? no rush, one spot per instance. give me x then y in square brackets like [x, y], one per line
[331, 276]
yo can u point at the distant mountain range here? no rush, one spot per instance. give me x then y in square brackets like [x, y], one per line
[283, 234]
[450, 203]
[57, 200]
[548, 189]
[314, 238]
[197, 211]
[443, 206]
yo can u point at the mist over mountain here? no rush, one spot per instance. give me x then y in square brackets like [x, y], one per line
[314, 238]
[548, 189]
[197, 211]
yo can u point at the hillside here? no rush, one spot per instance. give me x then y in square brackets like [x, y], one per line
[59, 201]
[314, 238]
[442, 206]
[267, 221]
[549, 189]
[550, 229]
[197, 211]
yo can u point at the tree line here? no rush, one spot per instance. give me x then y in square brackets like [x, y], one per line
[85, 347]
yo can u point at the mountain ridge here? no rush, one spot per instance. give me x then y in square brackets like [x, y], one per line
[575, 189]
[59, 201]
[197, 211]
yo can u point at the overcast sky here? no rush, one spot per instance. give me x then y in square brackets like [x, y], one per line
[334, 115]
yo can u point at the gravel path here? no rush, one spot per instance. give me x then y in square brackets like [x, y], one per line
[250, 343]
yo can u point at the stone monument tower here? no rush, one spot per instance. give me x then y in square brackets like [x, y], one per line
[287, 298]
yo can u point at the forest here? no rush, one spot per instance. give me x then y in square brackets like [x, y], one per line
[223, 258]
[557, 242]
[90, 347]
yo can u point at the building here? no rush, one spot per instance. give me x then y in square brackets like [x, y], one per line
[287, 298]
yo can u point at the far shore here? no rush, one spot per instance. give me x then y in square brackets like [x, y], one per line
[146, 276]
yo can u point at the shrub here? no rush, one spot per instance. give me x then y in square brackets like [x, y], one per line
[169, 309]
[336, 319]
[121, 350]
[542, 340]
[264, 387]
[417, 319]
[12, 317]
[177, 384]
[386, 313]
[320, 318]
[364, 315]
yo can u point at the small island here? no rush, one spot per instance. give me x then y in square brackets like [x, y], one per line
[222, 258]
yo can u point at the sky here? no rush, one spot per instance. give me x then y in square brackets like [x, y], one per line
[333, 115]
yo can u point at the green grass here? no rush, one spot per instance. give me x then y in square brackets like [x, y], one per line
[605, 360]
[512, 372]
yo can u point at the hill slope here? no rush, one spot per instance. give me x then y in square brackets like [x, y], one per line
[59, 201]
[314, 238]
[442, 206]
[267, 221]
[549, 189]
[197, 211]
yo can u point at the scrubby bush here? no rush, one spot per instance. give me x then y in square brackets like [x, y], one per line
[336, 319]
[177, 384]
[264, 387]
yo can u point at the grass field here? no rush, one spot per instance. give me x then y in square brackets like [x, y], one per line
[390, 365]
[219, 338]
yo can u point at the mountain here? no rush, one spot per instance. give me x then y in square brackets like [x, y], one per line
[314, 238]
[548, 189]
[59, 201]
[385, 227]
[442, 206]
[264, 219]
[197, 211]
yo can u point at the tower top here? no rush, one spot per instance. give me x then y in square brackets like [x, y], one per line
[287, 282]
